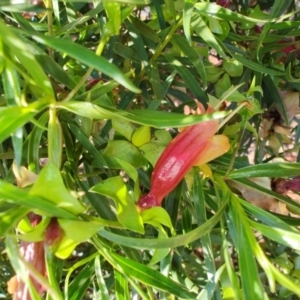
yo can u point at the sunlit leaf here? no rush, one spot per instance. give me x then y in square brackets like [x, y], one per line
[127, 212]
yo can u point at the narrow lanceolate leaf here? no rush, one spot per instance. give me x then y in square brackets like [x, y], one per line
[270, 85]
[188, 78]
[285, 237]
[202, 30]
[279, 7]
[256, 66]
[152, 277]
[88, 58]
[172, 242]
[268, 170]
[193, 56]
[270, 219]
[20, 50]
[187, 14]
[8, 121]
[121, 287]
[251, 283]
[79, 285]
[212, 9]
[159, 119]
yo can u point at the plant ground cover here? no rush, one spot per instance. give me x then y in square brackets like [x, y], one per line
[149, 149]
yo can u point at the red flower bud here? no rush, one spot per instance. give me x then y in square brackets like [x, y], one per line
[223, 3]
[53, 234]
[91, 83]
[194, 144]
[287, 49]
[258, 29]
[34, 254]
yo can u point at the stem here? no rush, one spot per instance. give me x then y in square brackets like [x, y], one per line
[237, 146]
[231, 115]
[164, 43]
[82, 81]
[49, 7]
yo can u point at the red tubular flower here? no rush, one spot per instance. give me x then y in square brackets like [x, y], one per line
[195, 145]
[34, 254]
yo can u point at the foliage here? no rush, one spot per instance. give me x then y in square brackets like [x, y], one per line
[92, 92]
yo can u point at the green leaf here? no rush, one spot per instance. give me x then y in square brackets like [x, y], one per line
[79, 285]
[158, 119]
[79, 231]
[27, 59]
[256, 66]
[188, 78]
[205, 33]
[172, 242]
[267, 170]
[50, 186]
[151, 277]
[279, 8]
[156, 82]
[233, 67]
[65, 248]
[100, 276]
[123, 127]
[251, 283]
[159, 254]
[127, 212]
[223, 85]
[121, 287]
[30, 233]
[187, 15]
[141, 136]
[157, 216]
[192, 55]
[88, 58]
[269, 81]
[125, 151]
[285, 237]
[152, 152]
[34, 140]
[75, 232]
[86, 143]
[113, 12]
[8, 121]
[126, 52]
[213, 9]
[144, 29]
[10, 217]
[12, 194]
[269, 218]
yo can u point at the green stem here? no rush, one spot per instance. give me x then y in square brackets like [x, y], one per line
[237, 146]
[165, 42]
[49, 7]
[84, 78]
